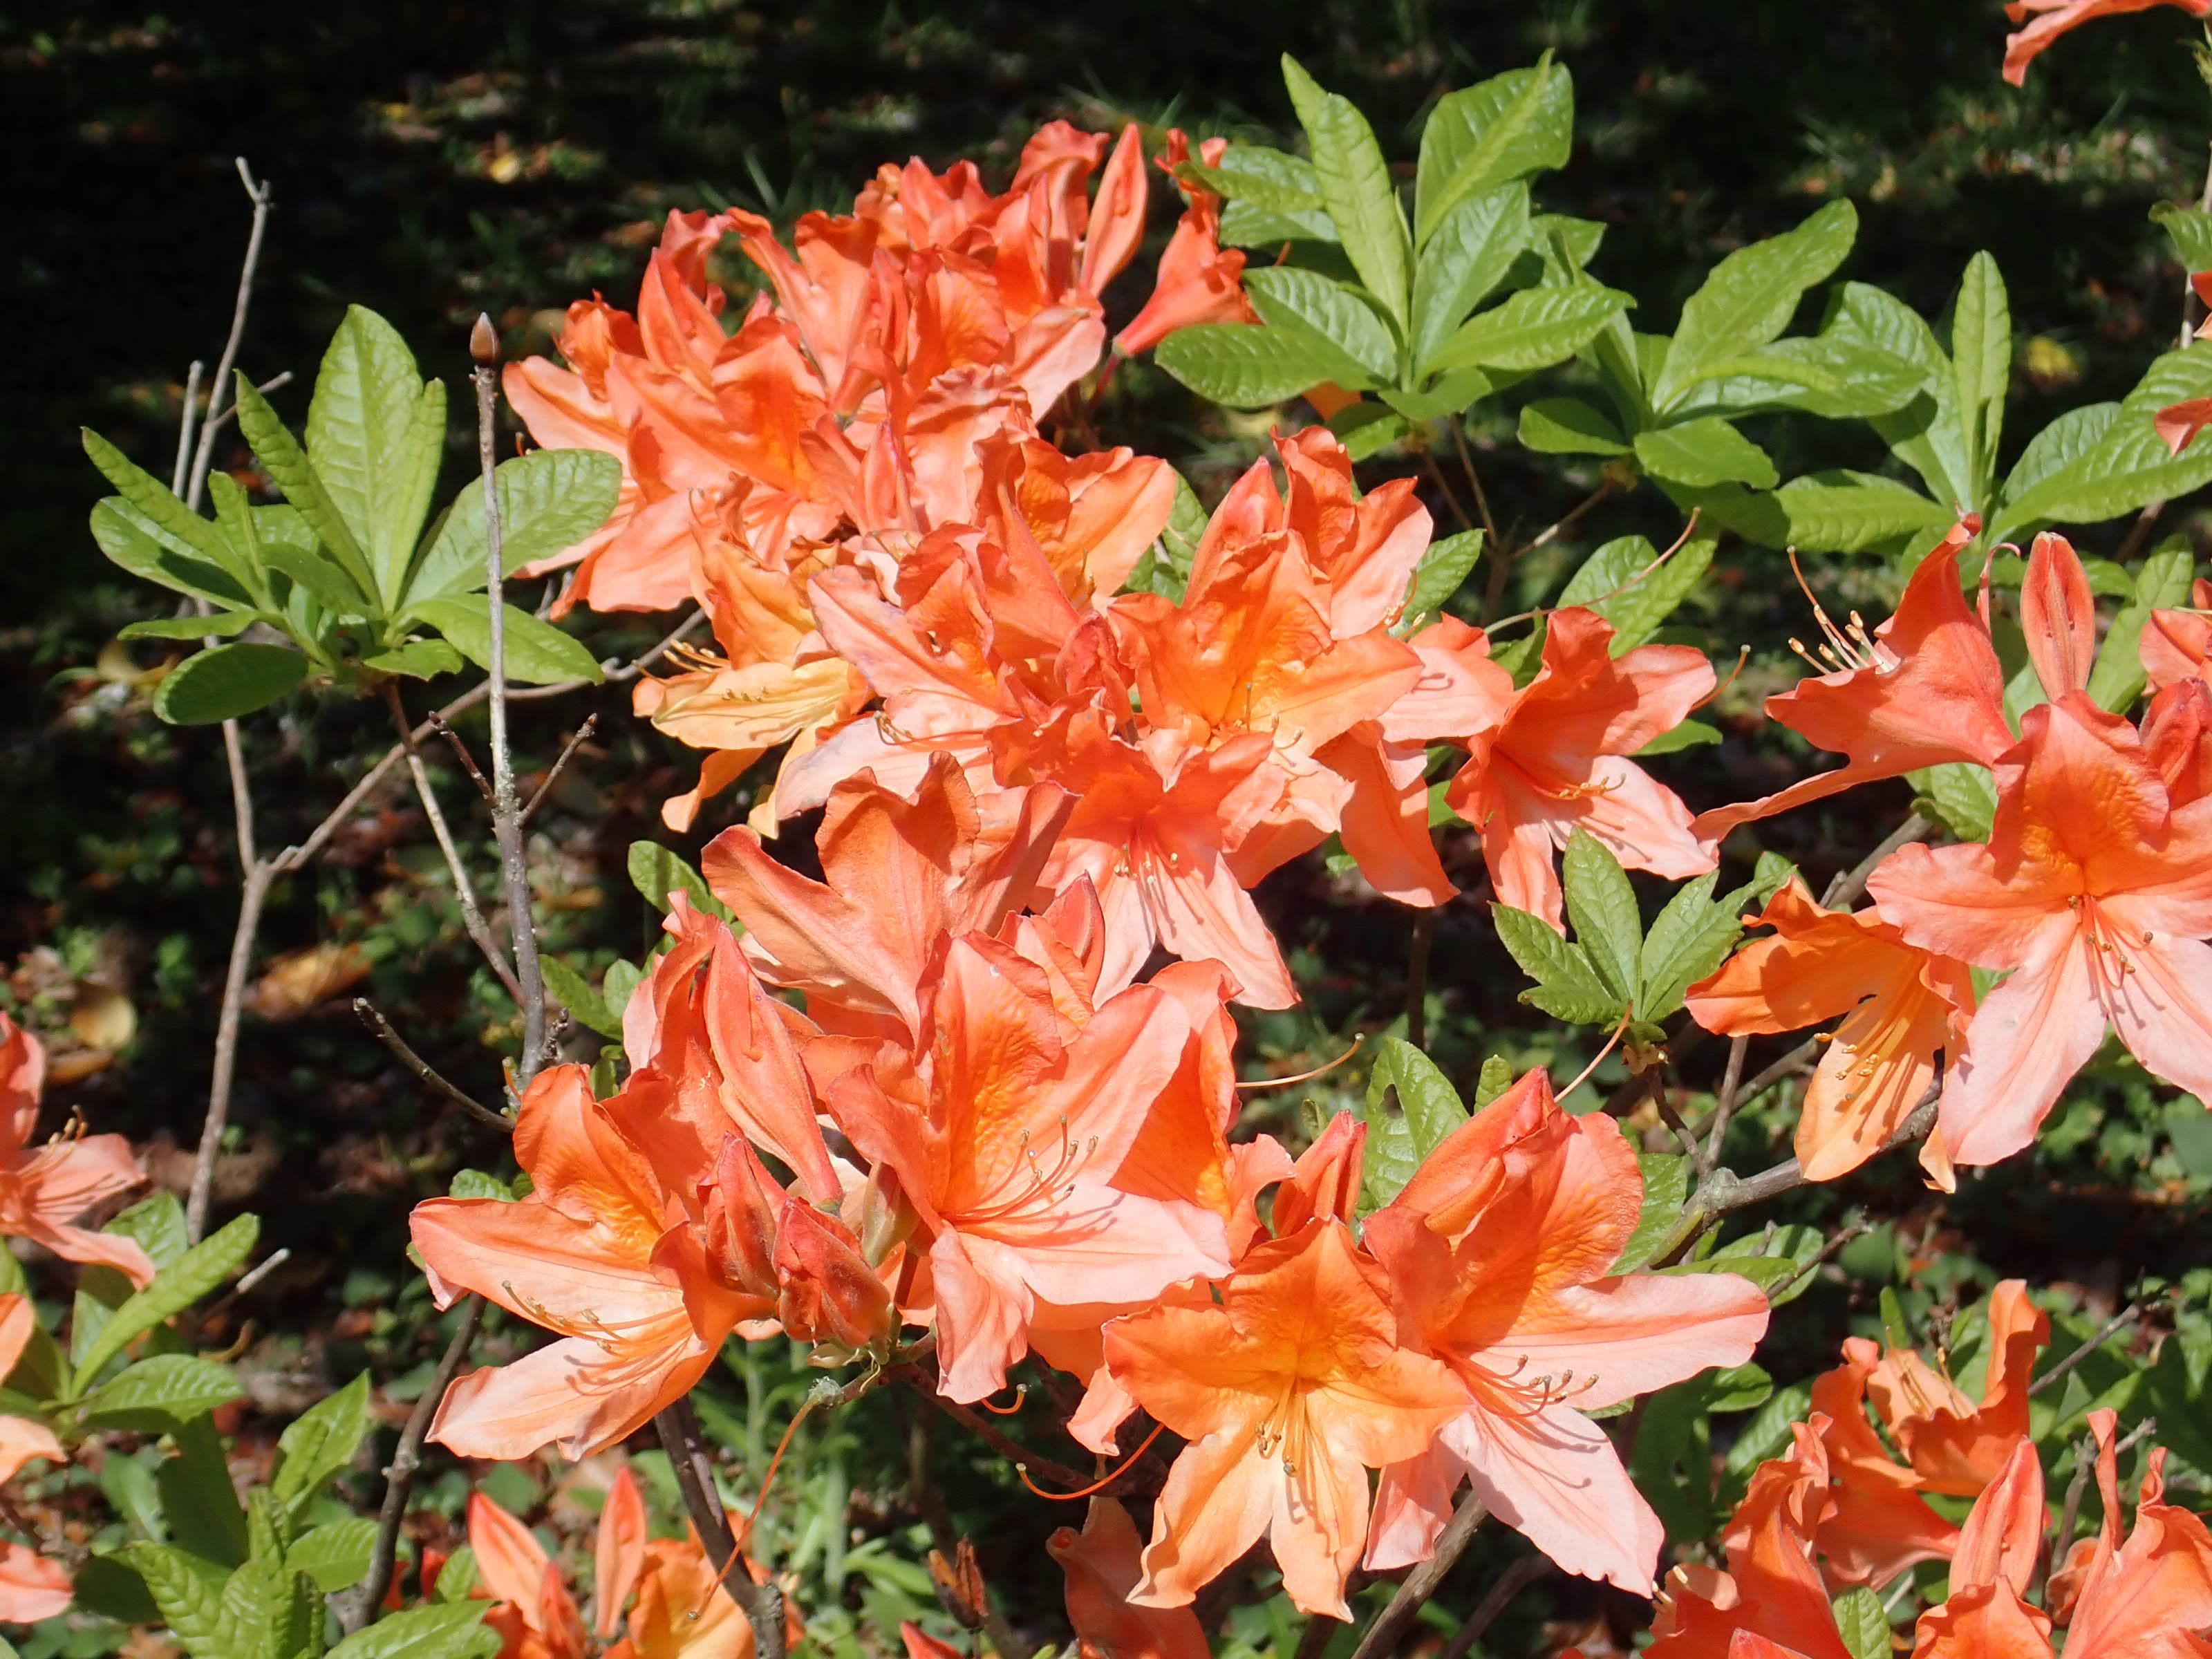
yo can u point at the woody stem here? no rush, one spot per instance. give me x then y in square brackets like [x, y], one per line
[694, 1467]
[1511, 1583]
[1421, 1582]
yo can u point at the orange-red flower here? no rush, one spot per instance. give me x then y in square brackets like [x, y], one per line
[32, 1587]
[1198, 280]
[1878, 1525]
[1103, 1570]
[1902, 1006]
[2149, 1597]
[1921, 689]
[1772, 1591]
[601, 1253]
[532, 1610]
[43, 1190]
[2056, 17]
[1289, 1391]
[1557, 762]
[1497, 1252]
[1988, 1615]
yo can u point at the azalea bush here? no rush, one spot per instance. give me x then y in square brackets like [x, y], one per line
[942, 1119]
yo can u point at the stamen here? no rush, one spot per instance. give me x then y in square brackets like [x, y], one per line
[1598, 1059]
[1023, 1470]
[1302, 1076]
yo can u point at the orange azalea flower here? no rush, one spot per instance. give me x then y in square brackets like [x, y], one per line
[2056, 17]
[2177, 644]
[1102, 1570]
[533, 1612]
[1771, 1592]
[32, 1587]
[2148, 1598]
[1880, 1526]
[43, 1190]
[1004, 1132]
[2098, 893]
[1923, 689]
[1289, 1390]
[1498, 1251]
[684, 1609]
[1556, 761]
[1987, 1615]
[1198, 280]
[601, 1253]
[1902, 1007]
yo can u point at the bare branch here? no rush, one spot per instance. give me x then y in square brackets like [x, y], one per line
[203, 456]
[267, 1266]
[461, 753]
[506, 810]
[1844, 890]
[1421, 1582]
[1511, 1583]
[2111, 1329]
[372, 1016]
[185, 427]
[1606, 487]
[694, 1466]
[1725, 1103]
[399, 1476]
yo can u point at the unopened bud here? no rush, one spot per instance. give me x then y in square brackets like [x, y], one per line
[483, 342]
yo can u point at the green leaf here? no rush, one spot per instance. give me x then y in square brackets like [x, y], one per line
[225, 681]
[1690, 734]
[1355, 188]
[279, 453]
[1749, 297]
[1567, 984]
[616, 985]
[1739, 1389]
[548, 500]
[198, 1502]
[2190, 232]
[1602, 905]
[1666, 1189]
[2164, 581]
[450, 1630]
[537, 653]
[1442, 570]
[155, 1396]
[195, 1272]
[1863, 1624]
[1328, 319]
[190, 1605]
[1366, 428]
[1489, 134]
[220, 624]
[1832, 376]
[270, 1611]
[1534, 329]
[1767, 1434]
[1625, 582]
[1451, 394]
[319, 1444]
[1467, 258]
[1693, 935]
[1981, 357]
[1705, 451]
[1246, 224]
[1388, 1162]
[475, 1183]
[574, 993]
[135, 544]
[1842, 512]
[374, 432]
[421, 659]
[1961, 795]
[158, 1225]
[656, 873]
[2058, 445]
[1773, 1259]
[1568, 426]
[1271, 178]
[1496, 1078]
[1245, 365]
[1432, 1107]
[1927, 433]
[2130, 466]
[335, 1554]
[157, 505]
[322, 578]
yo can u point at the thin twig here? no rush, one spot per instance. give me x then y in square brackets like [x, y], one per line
[472, 917]
[2112, 1326]
[372, 1016]
[1656, 1080]
[203, 456]
[1725, 1103]
[1606, 487]
[1844, 890]
[252, 895]
[1421, 1582]
[1005, 1444]
[553, 774]
[1417, 977]
[1436, 478]
[276, 382]
[183, 462]
[506, 808]
[1511, 1583]
[1802, 1058]
[461, 753]
[399, 1476]
[1844, 1237]
[261, 1270]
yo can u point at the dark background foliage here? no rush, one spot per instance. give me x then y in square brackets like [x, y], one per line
[434, 158]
